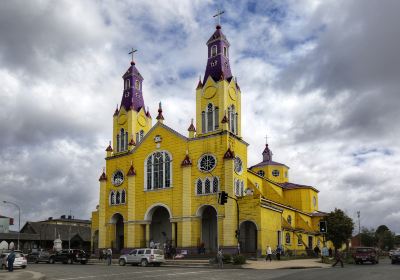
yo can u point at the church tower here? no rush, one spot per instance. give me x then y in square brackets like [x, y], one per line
[131, 120]
[218, 96]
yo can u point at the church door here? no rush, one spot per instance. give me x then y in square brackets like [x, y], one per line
[160, 227]
[118, 222]
[209, 229]
[248, 237]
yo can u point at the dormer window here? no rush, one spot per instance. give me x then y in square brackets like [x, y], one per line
[225, 51]
[127, 84]
[214, 50]
[137, 84]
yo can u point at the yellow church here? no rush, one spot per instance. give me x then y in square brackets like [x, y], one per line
[162, 186]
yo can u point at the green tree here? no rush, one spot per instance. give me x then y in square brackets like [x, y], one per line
[340, 227]
[385, 238]
[368, 237]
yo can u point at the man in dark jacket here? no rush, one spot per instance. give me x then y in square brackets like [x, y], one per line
[10, 261]
[338, 257]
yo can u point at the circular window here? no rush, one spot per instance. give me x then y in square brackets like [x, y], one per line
[207, 163]
[275, 173]
[238, 165]
[261, 173]
[117, 178]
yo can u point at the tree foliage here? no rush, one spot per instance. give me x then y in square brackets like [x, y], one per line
[368, 237]
[340, 227]
[385, 238]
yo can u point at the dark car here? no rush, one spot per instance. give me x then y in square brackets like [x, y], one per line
[39, 256]
[365, 254]
[69, 256]
[396, 257]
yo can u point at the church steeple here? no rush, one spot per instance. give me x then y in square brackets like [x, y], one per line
[132, 98]
[218, 57]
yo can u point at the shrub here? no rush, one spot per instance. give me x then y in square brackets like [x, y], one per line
[226, 258]
[239, 259]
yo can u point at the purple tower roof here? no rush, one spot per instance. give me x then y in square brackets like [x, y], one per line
[218, 57]
[132, 97]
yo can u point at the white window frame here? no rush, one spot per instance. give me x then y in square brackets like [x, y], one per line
[214, 47]
[123, 191]
[152, 171]
[111, 200]
[203, 186]
[225, 51]
[137, 84]
[199, 162]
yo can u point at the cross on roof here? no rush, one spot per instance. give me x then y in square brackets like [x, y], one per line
[218, 14]
[266, 139]
[132, 52]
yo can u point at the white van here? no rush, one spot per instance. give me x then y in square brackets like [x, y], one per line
[143, 256]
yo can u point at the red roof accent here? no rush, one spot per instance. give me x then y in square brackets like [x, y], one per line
[229, 154]
[186, 161]
[109, 149]
[116, 111]
[191, 127]
[224, 119]
[160, 116]
[103, 177]
[132, 142]
[131, 171]
[199, 85]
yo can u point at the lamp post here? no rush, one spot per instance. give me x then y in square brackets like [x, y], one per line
[19, 218]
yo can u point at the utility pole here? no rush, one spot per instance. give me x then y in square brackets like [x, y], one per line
[359, 226]
[19, 218]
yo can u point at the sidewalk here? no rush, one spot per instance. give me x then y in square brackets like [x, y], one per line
[19, 274]
[291, 264]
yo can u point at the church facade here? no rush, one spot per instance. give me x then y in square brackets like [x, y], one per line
[162, 186]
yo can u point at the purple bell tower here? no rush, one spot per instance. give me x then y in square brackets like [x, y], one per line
[132, 97]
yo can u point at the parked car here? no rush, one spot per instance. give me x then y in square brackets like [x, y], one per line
[365, 254]
[20, 260]
[143, 256]
[69, 256]
[396, 257]
[38, 256]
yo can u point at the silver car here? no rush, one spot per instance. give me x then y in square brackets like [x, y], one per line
[20, 260]
[143, 256]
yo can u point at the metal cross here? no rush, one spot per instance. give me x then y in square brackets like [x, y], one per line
[266, 139]
[132, 52]
[218, 14]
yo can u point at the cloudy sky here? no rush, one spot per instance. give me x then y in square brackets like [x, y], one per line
[321, 78]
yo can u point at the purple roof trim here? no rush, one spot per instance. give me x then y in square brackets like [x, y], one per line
[265, 163]
[292, 186]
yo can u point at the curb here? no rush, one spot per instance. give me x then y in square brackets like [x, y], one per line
[22, 275]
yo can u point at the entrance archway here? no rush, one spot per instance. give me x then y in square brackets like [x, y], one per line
[209, 231]
[160, 227]
[118, 221]
[248, 237]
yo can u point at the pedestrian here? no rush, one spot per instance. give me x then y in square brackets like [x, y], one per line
[10, 260]
[238, 248]
[220, 258]
[268, 253]
[330, 252]
[316, 251]
[278, 252]
[173, 252]
[101, 255]
[152, 244]
[109, 256]
[324, 253]
[338, 257]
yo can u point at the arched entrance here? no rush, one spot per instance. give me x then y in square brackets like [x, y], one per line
[160, 227]
[209, 231]
[118, 222]
[248, 237]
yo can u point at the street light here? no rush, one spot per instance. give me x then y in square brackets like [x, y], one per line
[19, 218]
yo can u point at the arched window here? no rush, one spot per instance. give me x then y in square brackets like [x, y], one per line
[289, 219]
[241, 188]
[118, 143]
[214, 50]
[199, 187]
[237, 188]
[123, 197]
[158, 169]
[126, 141]
[210, 118]
[207, 186]
[122, 139]
[233, 119]
[112, 198]
[215, 185]
[287, 238]
[225, 51]
[137, 84]
[118, 198]
[299, 240]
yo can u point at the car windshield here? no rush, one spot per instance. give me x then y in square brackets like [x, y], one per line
[364, 250]
[18, 255]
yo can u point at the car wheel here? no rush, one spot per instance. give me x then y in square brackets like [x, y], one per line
[51, 261]
[83, 262]
[144, 263]
[122, 262]
[24, 266]
[69, 261]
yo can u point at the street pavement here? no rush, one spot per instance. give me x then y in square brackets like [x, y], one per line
[384, 270]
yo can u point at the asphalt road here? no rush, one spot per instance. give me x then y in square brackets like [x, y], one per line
[382, 271]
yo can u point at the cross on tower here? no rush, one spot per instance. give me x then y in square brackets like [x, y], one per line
[132, 52]
[218, 14]
[266, 139]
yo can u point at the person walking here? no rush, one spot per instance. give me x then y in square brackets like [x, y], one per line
[220, 259]
[316, 251]
[109, 256]
[269, 254]
[338, 257]
[324, 253]
[10, 260]
[278, 252]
